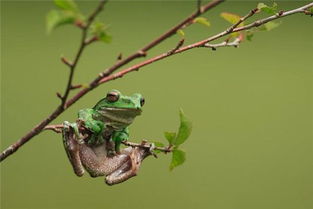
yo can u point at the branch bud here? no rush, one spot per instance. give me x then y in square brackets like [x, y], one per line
[142, 53]
[119, 57]
[80, 24]
[76, 86]
[65, 61]
[255, 10]
[59, 95]
[93, 39]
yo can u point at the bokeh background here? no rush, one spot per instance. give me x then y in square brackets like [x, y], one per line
[251, 107]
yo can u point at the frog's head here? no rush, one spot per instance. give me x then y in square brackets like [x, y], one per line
[116, 107]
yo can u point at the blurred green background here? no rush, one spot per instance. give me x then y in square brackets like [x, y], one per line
[251, 146]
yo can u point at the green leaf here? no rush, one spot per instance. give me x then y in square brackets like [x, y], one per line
[178, 158]
[202, 20]
[181, 33]
[98, 29]
[158, 144]
[105, 37]
[170, 136]
[269, 26]
[69, 5]
[58, 18]
[184, 130]
[232, 18]
[269, 10]
[261, 6]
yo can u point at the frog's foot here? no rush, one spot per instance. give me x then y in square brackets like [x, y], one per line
[135, 159]
[123, 173]
[71, 146]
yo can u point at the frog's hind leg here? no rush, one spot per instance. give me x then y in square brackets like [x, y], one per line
[71, 146]
[130, 168]
[96, 161]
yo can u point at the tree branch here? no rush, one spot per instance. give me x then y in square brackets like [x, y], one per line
[202, 43]
[67, 103]
[144, 144]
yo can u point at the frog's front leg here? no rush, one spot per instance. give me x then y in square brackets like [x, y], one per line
[96, 127]
[118, 137]
[72, 146]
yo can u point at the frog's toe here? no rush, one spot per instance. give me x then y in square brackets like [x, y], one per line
[66, 125]
[151, 149]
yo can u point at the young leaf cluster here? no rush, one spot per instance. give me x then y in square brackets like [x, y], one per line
[248, 34]
[268, 9]
[202, 20]
[176, 139]
[233, 19]
[272, 10]
[98, 29]
[68, 13]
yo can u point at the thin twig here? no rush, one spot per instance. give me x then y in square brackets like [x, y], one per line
[179, 44]
[147, 146]
[241, 20]
[56, 128]
[199, 5]
[234, 43]
[76, 86]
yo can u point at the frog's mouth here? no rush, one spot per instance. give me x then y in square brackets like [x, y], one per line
[124, 112]
[120, 115]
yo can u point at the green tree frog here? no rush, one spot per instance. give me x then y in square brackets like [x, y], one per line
[93, 142]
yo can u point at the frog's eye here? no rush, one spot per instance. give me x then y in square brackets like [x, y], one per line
[112, 96]
[142, 101]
